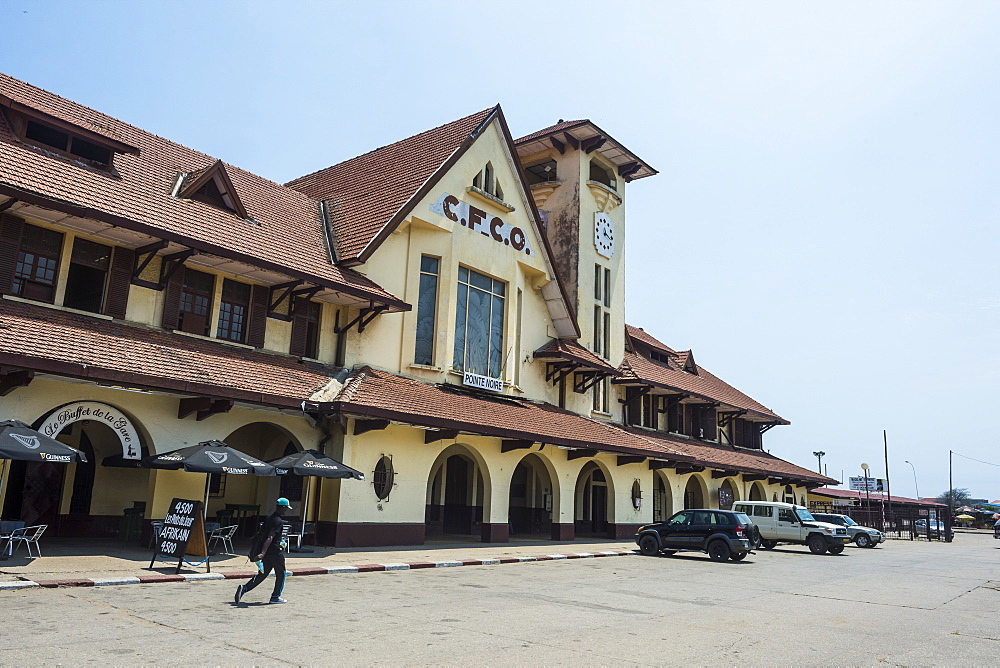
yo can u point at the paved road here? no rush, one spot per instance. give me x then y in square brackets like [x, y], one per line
[904, 604]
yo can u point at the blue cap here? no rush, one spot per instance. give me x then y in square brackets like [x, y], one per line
[284, 502]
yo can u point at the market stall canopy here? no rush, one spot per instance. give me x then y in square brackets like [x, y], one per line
[314, 462]
[19, 441]
[965, 518]
[210, 457]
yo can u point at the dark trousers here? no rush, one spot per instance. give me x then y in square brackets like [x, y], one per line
[272, 562]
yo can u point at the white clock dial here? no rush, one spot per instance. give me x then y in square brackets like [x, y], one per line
[604, 235]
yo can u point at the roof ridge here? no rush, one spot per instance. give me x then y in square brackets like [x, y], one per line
[385, 146]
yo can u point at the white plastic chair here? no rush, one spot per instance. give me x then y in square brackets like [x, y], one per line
[224, 534]
[28, 536]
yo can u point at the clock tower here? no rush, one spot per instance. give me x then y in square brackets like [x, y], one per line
[577, 174]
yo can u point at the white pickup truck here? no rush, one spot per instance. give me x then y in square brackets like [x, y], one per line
[788, 523]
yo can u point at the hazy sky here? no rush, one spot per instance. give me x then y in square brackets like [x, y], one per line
[823, 230]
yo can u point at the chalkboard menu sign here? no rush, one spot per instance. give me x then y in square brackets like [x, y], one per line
[182, 532]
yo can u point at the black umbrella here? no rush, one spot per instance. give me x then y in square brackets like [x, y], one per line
[21, 442]
[312, 463]
[210, 457]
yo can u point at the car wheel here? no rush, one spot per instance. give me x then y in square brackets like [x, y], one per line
[649, 546]
[754, 537]
[718, 551]
[738, 556]
[835, 549]
[768, 544]
[816, 544]
[863, 540]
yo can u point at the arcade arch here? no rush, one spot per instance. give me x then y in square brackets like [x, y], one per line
[532, 498]
[84, 499]
[458, 490]
[592, 502]
[757, 492]
[663, 497]
[728, 494]
[265, 441]
[695, 493]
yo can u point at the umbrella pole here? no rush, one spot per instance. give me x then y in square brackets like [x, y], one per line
[305, 510]
[3, 480]
[204, 508]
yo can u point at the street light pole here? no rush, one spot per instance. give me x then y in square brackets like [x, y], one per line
[915, 486]
[868, 496]
[819, 461]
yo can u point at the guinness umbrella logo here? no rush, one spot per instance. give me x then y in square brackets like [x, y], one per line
[217, 457]
[30, 442]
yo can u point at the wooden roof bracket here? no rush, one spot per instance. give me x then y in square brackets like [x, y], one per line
[559, 146]
[584, 380]
[724, 418]
[435, 435]
[630, 459]
[364, 426]
[592, 144]
[572, 141]
[13, 200]
[277, 294]
[143, 256]
[753, 478]
[670, 401]
[507, 445]
[716, 474]
[11, 379]
[767, 425]
[365, 317]
[557, 371]
[171, 263]
[203, 407]
[643, 391]
[579, 453]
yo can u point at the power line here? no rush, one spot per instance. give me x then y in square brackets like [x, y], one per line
[975, 460]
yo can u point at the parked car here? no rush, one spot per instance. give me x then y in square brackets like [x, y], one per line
[862, 536]
[723, 534]
[788, 523]
[937, 528]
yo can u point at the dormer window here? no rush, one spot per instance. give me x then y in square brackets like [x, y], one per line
[213, 186]
[47, 136]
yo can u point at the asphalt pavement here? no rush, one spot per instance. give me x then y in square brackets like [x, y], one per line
[904, 603]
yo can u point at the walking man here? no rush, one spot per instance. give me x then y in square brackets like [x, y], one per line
[269, 555]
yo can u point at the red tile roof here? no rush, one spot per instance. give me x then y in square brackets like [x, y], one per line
[705, 385]
[640, 335]
[570, 350]
[875, 496]
[732, 458]
[379, 394]
[68, 344]
[366, 192]
[551, 130]
[286, 229]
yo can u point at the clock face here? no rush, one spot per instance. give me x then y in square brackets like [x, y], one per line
[604, 235]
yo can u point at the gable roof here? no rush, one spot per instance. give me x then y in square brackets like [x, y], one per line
[369, 196]
[197, 179]
[637, 369]
[286, 234]
[642, 336]
[366, 194]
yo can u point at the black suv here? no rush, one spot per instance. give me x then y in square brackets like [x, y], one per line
[723, 534]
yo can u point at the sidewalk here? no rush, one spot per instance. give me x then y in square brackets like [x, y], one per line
[76, 562]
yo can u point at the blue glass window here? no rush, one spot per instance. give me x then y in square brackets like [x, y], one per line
[479, 324]
[426, 309]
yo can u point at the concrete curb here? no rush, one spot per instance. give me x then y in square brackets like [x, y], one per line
[329, 570]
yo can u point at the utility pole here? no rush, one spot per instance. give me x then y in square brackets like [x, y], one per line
[888, 494]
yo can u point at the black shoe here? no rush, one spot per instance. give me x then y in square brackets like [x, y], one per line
[239, 594]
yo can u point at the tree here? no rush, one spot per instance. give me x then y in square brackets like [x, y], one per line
[957, 497]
